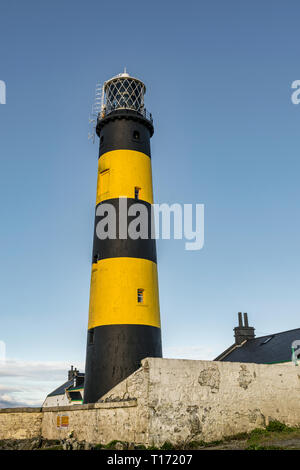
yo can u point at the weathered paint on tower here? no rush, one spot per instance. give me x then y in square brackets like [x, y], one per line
[124, 317]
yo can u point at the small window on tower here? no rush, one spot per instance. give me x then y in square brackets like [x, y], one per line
[136, 135]
[103, 183]
[137, 193]
[140, 296]
[91, 336]
[101, 139]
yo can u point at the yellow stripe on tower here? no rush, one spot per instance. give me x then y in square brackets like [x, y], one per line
[120, 172]
[114, 300]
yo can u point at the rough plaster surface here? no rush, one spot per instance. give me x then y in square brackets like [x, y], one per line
[173, 400]
[56, 400]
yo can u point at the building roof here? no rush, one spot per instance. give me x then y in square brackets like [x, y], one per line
[62, 389]
[267, 349]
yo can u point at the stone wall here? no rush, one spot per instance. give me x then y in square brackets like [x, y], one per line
[172, 400]
[20, 423]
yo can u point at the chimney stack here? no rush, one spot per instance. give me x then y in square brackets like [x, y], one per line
[72, 373]
[243, 331]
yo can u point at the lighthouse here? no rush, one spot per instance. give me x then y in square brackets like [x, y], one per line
[124, 316]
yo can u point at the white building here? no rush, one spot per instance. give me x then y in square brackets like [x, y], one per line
[69, 393]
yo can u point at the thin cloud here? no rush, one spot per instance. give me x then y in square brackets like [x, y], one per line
[27, 383]
[12, 403]
[6, 389]
[35, 369]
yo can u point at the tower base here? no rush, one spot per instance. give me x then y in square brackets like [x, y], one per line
[123, 347]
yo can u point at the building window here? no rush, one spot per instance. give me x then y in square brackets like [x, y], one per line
[137, 192]
[91, 336]
[136, 135]
[140, 296]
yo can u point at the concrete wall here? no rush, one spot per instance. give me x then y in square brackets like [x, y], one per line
[174, 400]
[208, 400]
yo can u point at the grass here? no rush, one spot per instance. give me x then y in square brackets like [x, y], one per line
[271, 437]
[259, 447]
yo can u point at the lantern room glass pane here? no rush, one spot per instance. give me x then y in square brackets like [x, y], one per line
[124, 94]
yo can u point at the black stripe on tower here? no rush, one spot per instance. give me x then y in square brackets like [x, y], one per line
[125, 129]
[123, 347]
[114, 248]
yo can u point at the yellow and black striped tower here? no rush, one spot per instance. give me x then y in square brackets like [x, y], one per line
[124, 317]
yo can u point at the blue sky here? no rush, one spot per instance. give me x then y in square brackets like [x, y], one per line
[218, 78]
